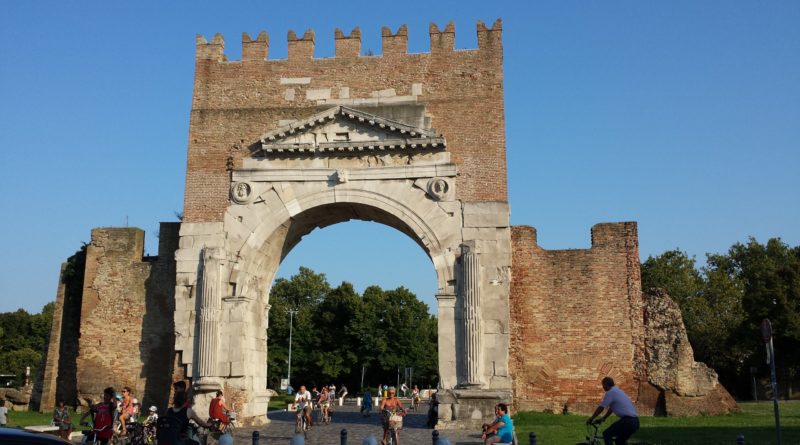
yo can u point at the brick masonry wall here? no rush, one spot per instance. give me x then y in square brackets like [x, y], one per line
[234, 103]
[576, 317]
[126, 330]
[44, 391]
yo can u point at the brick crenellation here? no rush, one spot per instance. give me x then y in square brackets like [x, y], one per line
[346, 46]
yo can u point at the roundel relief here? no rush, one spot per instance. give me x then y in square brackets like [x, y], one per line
[438, 188]
[241, 192]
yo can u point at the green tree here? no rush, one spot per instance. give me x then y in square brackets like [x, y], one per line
[769, 275]
[302, 293]
[24, 339]
[337, 332]
[676, 272]
[724, 303]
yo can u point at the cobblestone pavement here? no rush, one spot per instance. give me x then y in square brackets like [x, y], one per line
[281, 429]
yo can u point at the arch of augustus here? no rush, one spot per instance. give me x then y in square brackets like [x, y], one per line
[278, 148]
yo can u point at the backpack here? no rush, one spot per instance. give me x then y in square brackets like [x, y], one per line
[168, 430]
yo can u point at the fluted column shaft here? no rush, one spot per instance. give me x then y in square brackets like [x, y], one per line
[472, 315]
[210, 298]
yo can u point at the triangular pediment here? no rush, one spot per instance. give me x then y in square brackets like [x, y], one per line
[342, 129]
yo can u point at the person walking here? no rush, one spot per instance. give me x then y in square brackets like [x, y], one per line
[616, 402]
[3, 413]
[366, 405]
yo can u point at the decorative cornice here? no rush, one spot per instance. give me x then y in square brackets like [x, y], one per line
[403, 136]
[353, 174]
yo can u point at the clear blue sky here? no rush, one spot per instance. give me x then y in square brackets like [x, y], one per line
[681, 115]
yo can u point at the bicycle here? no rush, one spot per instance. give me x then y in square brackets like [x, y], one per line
[415, 400]
[316, 412]
[149, 433]
[326, 415]
[217, 429]
[592, 436]
[395, 421]
[301, 423]
[90, 436]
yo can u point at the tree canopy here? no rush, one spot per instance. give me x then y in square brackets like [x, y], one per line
[336, 332]
[23, 340]
[724, 302]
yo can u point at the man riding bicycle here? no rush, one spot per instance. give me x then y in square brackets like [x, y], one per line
[302, 403]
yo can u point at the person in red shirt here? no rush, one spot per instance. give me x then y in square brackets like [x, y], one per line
[103, 417]
[218, 410]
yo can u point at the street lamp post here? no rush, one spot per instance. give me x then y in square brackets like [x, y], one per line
[291, 319]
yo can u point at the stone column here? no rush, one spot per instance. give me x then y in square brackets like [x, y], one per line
[470, 267]
[210, 300]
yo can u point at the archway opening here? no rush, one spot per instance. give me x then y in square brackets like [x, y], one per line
[359, 300]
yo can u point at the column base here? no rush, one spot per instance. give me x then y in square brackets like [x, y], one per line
[469, 408]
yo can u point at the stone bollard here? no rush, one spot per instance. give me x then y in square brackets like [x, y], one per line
[343, 435]
[435, 435]
[256, 437]
[740, 439]
[532, 438]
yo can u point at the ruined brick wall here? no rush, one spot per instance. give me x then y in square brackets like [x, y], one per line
[126, 330]
[112, 310]
[44, 391]
[576, 316]
[234, 103]
[59, 379]
[157, 347]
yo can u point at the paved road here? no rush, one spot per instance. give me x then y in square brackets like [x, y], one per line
[281, 429]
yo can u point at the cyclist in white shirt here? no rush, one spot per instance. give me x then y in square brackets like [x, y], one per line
[616, 402]
[302, 403]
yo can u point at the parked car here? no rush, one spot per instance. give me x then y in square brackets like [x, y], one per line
[13, 436]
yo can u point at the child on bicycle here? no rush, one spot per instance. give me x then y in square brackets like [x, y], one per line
[150, 425]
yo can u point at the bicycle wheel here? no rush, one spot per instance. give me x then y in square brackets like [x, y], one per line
[392, 436]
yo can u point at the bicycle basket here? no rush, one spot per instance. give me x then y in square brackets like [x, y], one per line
[395, 421]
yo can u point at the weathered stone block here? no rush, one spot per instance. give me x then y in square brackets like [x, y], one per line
[203, 228]
[486, 214]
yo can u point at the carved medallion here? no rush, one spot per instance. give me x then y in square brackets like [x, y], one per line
[438, 188]
[241, 192]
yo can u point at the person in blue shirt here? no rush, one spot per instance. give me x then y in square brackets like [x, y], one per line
[617, 402]
[501, 430]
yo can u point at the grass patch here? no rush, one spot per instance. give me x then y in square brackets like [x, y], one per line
[755, 422]
[21, 419]
[280, 401]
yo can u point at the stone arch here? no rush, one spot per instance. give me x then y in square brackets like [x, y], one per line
[280, 224]
[260, 253]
